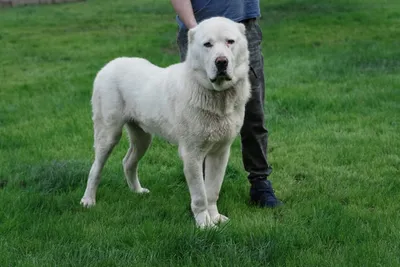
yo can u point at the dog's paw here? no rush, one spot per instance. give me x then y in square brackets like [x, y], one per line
[142, 190]
[203, 220]
[219, 218]
[88, 202]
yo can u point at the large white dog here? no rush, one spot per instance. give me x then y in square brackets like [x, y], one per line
[198, 104]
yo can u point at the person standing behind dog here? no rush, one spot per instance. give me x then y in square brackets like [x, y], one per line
[254, 135]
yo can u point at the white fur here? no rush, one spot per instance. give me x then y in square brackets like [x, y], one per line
[180, 104]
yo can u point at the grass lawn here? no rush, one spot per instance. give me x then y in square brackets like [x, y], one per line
[333, 112]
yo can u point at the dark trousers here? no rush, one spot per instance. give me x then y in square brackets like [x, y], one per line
[254, 134]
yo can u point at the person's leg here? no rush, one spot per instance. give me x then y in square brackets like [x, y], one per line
[182, 41]
[254, 134]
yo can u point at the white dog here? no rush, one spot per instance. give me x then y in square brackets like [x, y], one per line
[198, 104]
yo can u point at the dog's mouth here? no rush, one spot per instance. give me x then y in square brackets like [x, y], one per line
[221, 77]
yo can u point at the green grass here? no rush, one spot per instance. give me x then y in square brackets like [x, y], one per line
[333, 112]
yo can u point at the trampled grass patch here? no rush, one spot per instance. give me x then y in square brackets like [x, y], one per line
[333, 114]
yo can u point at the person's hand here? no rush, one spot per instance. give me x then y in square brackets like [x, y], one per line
[184, 10]
[191, 24]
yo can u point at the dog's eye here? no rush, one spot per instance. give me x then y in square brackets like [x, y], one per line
[230, 41]
[208, 44]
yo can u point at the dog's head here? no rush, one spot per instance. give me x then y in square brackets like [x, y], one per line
[218, 53]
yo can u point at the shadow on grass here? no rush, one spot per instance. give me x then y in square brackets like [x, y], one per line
[54, 176]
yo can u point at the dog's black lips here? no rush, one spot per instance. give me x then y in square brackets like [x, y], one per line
[221, 77]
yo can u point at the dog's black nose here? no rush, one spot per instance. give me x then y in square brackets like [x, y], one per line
[221, 63]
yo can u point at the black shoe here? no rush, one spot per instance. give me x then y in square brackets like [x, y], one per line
[262, 194]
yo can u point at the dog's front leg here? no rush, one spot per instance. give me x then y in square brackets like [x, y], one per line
[215, 167]
[192, 162]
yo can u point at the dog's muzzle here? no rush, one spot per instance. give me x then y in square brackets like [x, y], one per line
[222, 64]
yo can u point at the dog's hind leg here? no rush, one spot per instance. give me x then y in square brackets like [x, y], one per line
[106, 137]
[139, 143]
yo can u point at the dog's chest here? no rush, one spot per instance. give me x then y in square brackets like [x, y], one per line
[219, 128]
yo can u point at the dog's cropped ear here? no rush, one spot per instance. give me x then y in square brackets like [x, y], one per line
[242, 28]
[191, 33]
